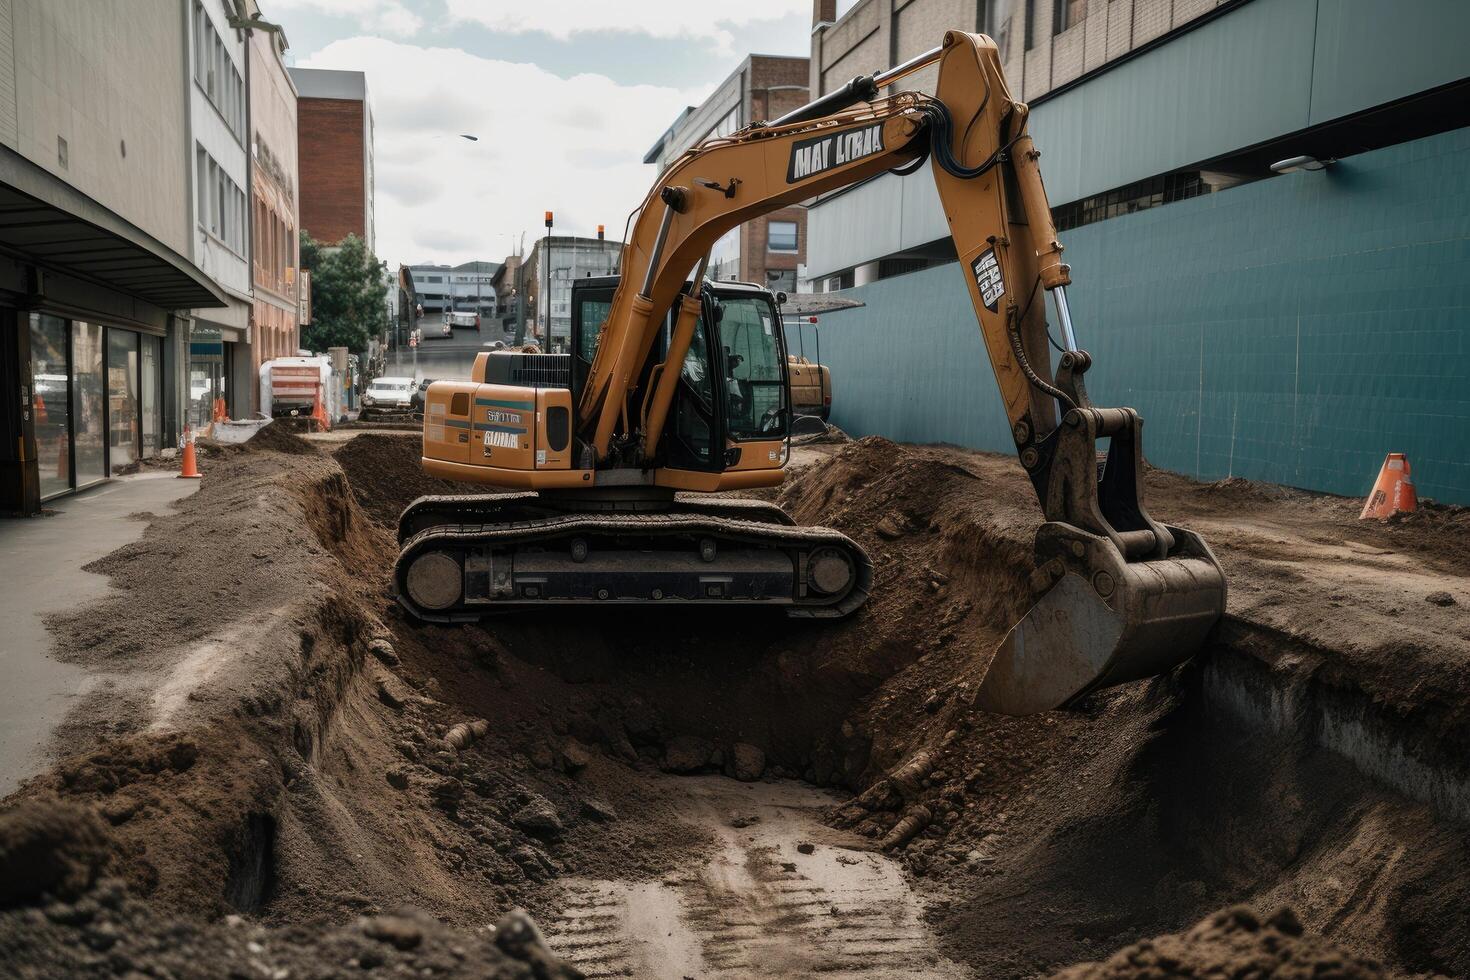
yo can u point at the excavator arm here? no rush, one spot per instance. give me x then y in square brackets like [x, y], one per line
[1121, 595]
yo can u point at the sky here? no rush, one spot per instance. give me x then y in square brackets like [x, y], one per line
[566, 96]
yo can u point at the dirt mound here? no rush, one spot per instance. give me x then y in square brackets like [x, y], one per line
[1233, 943]
[48, 847]
[108, 933]
[277, 438]
[386, 474]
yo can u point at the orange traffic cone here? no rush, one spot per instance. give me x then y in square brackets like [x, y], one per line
[191, 465]
[1393, 492]
[221, 411]
[318, 412]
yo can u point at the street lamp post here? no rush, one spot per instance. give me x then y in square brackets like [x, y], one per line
[546, 337]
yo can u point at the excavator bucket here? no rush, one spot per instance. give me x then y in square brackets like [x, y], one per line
[1122, 622]
[1123, 596]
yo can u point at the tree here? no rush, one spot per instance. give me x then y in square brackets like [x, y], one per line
[348, 294]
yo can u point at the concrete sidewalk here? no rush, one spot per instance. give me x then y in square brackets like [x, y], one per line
[43, 559]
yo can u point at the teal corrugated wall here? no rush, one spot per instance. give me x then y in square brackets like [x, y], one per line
[1292, 330]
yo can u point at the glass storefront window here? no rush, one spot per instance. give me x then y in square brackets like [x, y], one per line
[51, 402]
[89, 390]
[124, 430]
[152, 393]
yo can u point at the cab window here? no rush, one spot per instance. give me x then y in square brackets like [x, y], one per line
[755, 397]
[594, 318]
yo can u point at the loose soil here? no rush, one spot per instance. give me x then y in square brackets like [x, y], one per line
[280, 771]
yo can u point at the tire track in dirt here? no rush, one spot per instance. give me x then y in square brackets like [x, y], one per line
[757, 905]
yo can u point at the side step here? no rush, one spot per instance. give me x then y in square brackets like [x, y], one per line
[461, 572]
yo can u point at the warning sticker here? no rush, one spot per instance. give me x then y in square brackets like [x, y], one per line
[988, 278]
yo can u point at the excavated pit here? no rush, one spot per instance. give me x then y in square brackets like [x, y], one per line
[693, 794]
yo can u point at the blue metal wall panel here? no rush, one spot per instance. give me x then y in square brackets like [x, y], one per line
[1293, 330]
[1369, 52]
[1262, 70]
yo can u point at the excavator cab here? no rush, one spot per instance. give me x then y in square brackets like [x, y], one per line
[732, 381]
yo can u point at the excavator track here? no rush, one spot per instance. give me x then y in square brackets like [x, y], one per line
[461, 572]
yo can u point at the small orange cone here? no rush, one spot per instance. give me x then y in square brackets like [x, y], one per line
[221, 411]
[191, 465]
[318, 412]
[1393, 492]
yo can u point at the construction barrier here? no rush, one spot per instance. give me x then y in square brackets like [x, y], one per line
[1393, 492]
[190, 469]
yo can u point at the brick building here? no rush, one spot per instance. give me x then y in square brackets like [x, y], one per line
[335, 154]
[766, 250]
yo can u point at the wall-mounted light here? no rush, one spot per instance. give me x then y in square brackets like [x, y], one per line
[1292, 165]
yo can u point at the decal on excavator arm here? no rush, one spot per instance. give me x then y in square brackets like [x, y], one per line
[810, 157]
[988, 277]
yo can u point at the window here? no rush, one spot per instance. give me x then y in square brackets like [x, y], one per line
[594, 316]
[996, 21]
[1069, 13]
[728, 124]
[1138, 196]
[1029, 24]
[781, 279]
[781, 236]
[216, 73]
[724, 257]
[754, 394]
[221, 203]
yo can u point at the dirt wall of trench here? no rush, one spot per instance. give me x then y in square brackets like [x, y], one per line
[300, 769]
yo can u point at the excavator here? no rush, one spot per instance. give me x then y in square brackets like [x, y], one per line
[676, 387]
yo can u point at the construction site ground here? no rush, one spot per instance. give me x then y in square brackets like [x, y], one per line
[277, 774]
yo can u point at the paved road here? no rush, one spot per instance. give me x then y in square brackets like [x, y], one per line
[443, 357]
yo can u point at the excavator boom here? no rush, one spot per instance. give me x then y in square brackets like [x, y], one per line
[1122, 596]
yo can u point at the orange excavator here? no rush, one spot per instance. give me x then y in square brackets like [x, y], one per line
[675, 387]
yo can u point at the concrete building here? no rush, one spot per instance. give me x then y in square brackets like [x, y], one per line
[220, 359]
[507, 284]
[96, 234]
[1291, 327]
[275, 197]
[766, 250]
[335, 154]
[469, 286]
[570, 258]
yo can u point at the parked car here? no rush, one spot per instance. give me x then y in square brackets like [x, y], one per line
[462, 318]
[419, 393]
[386, 396]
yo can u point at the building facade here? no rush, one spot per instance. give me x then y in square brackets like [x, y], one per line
[275, 196]
[507, 285]
[469, 287]
[571, 258]
[335, 154]
[96, 234]
[220, 354]
[770, 249]
[1284, 326]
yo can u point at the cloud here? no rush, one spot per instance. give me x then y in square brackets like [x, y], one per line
[570, 145]
[385, 16]
[663, 19]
